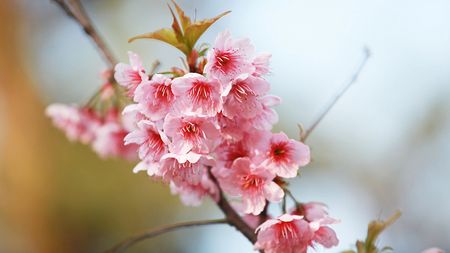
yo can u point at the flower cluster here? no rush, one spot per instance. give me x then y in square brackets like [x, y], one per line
[216, 121]
[305, 226]
[103, 130]
[205, 131]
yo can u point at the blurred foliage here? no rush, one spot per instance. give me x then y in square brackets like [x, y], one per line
[374, 230]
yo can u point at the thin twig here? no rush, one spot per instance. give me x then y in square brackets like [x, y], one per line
[345, 87]
[75, 10]
[122, 246]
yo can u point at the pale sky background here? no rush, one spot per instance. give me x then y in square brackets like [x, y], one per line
[384, 146]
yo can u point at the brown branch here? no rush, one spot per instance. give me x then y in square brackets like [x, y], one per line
[75, 10]
[304, 134]
[124, 245]
[233, 218]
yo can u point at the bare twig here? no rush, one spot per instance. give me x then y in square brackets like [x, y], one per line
[75, 10]
[345, 87]
[122, 246]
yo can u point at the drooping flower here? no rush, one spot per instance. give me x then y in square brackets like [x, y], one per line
[241, 96]
[253, 184]
[152, 142]
[155, 97]
[285, 234]
[229, 58]
[284, 155]
[316, 214]
[189, 133]
[108, 141]
[261, 64]
[197, 95]
[184, 169]
[192, 195]
[130, 75]
[77, 123]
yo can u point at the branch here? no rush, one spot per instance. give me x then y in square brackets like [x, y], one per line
[233, 218]
[304, 134]
[75, 10]
[122, 246]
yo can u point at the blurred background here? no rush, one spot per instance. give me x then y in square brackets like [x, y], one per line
[384, 146]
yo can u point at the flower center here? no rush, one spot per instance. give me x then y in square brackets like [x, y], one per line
[251, 182]
[200, 91]
[287, 230]
[279, 152]
[225, 61]
[163, 92]
[155, 143]
[241, 91]
[189, 130]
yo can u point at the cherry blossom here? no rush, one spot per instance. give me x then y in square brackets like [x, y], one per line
[284, 155]
[285, 234]
[241, 96]
[197, 95]
[229, 58]
[187, 168]
[152, 142]
[130, 75]
[155, 97]
[190, 133]
[77, 123]
[253, 184]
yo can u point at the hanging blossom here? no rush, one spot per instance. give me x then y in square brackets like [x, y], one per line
[104, 130]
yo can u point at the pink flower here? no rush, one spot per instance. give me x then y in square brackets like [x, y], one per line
[192, 195]
[254, 184]
[433, 250]
[77, 123]
[197, 95]
[231, 128]
[261, 64]
[284, 155]
[285, 234]
[267, 117]
[152, 142]
[149, 166]
[130, 76]
[155, 96]
[184, 169]
[241, 96]
[109, 141]
[316, 214]
[191, 134]
[229, 58]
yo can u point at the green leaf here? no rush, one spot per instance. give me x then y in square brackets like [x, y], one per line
[195, 30]
[166, 35]
[183, 34]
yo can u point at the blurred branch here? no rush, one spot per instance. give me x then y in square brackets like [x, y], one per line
[75, 10]
[122, 246]
[305, 134]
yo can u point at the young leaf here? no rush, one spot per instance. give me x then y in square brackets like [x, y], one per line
[185, 20]
[166, 35]
[183, 34]
[194, 31]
